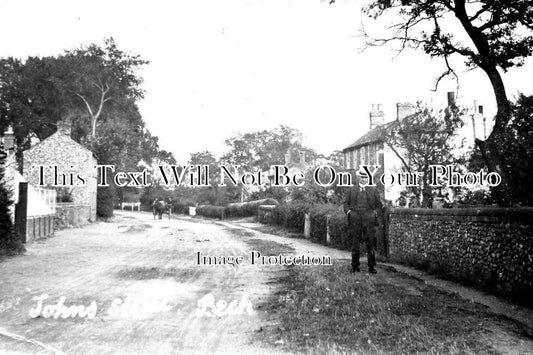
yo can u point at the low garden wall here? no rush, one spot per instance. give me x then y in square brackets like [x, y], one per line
[38, 227]
[491, 248]
[72, 215]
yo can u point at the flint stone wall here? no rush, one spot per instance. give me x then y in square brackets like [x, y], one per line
[70, 157]
[487, 247]
[70, 215]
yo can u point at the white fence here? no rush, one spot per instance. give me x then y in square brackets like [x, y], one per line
[48, 196]
[131, 205]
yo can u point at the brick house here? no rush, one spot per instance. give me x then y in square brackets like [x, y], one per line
[71, 159]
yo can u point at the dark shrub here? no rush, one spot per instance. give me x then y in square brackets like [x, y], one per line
[181, 206]
[248, 209]
[290, 215]
[338, 227]
[9, 243]
[211, 211]
[339, 231]
[104, 201]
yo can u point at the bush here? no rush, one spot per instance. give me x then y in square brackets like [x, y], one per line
[181, 207]
[248, 209]
[211, 211]
[291, 215]
[104, 201]
[339, 230]
[319, 215]
[9, 243]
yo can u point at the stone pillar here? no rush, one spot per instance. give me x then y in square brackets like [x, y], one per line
[328, 236]
[307, 226]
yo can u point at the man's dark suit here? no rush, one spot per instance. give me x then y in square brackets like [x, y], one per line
[362, 209]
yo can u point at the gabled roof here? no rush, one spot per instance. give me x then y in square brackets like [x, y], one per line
[58, 136]
[377, 134]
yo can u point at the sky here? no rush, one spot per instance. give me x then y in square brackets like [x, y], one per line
[218, 68]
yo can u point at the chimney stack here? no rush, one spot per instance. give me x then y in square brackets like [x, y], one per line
[480, 113]
[377, 116]
[451, 99]
[64, 127]
[302, 157]
[9, 140]
[404, 109]
[478, 121]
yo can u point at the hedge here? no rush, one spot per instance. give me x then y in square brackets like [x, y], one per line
[248, 209]
[211, 211]
[292, 216]
[181, 207]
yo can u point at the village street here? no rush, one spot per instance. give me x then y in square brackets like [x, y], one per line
[142, 275]
[150, 265]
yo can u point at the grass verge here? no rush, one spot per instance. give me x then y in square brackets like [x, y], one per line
[328, 310]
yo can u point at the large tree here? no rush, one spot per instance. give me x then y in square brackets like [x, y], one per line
[423, 139]
[100, 75]
[92, 85]
[261, 149]
[518, 145]
[96, 87]
[489, 34]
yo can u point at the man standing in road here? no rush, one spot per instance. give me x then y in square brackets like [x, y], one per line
[362, 206]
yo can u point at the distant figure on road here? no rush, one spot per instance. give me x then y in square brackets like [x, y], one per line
[159, 207]
[362, 207]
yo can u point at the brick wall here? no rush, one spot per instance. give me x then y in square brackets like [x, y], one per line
[487, 247]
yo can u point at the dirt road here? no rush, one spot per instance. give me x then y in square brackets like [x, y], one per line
[144, 279]
[141, 281]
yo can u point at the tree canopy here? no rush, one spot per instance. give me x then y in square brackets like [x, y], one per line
[96, 87]
[423, 139]
[262, 149]
[489, 34]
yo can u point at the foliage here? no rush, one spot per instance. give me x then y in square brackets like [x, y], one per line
[277, 193]
[291, 215]
[9, 243]
[517, 143]
[182, 206]
[211, 211]
[96, 87]
[311, 192]
[518, 146]
[425, 139]
[105, 201]
[338, 226]
[39, 91]
[248, 209]
[150, 193]
[491, 35]
[476, 197]
[262, 149]
[498, 30]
